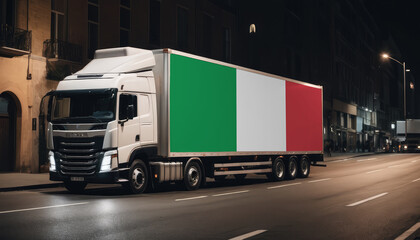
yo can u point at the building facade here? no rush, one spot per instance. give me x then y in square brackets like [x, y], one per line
[336, 44]
[42, 41]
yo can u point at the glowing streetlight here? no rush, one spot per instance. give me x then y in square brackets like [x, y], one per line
[386, 56]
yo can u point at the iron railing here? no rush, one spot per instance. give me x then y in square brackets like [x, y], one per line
[54, 48]
[16, 38]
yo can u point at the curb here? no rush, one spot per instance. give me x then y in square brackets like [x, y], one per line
[31, 187]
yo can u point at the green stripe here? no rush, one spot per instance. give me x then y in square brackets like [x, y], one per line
[202, 106]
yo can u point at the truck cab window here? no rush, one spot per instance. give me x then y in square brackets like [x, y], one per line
[127, 101]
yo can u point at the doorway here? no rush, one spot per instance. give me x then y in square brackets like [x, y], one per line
[8, 120]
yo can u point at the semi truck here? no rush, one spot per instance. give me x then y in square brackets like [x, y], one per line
[412, 142]
[143, 117]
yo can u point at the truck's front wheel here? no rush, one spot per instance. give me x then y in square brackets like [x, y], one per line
[75, 187]
[192, 176]
[138, 177]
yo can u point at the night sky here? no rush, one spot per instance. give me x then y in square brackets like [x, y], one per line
[401, 19]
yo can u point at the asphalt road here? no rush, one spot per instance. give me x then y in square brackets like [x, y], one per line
[374, 197]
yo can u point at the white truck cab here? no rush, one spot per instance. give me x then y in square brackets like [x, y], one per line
[100, 115]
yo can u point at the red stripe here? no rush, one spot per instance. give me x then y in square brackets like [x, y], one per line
[303, 117]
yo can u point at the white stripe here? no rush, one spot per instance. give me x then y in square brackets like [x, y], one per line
[410, 231]
[46, 207]
[418, 179]
[248, 235]
[230, 193]
[342, 160]
[367, 159]
[414, 161]
[374, 171]
[285, 185]
[258, 95]
[191, 198]
[398, 165]
[320, 180]
[367, 199]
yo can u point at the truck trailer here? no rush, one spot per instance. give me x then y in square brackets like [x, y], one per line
[143, 117]
[412, 142]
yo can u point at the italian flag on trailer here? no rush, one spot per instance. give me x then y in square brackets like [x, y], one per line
[216, 108]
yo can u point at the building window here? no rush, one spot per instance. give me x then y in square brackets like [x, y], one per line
[154, 22]
[58, 20]
[93, 27]
[7, 13]
[182, 28]
[125, 22]
[207, 34]
[226, 44]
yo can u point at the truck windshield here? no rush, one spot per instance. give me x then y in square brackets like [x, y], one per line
[83, 106]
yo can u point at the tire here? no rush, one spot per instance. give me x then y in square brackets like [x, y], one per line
[278, 170]
[138, 178]
[291, 168]
[192, 176]
[75, 187]
[304, 167]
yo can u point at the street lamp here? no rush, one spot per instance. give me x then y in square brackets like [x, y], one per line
[386, 56]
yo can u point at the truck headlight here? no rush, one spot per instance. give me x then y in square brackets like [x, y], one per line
[52, 161]
[110, 161]
[418, 147]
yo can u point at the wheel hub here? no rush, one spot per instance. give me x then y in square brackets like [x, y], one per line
[138, 178]
[193, 177]
[279, 170]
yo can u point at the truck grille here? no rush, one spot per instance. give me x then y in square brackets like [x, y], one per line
[78, 156]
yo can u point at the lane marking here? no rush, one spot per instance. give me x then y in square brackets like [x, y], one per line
[46, 207]
[248, 235]
[367, 199]
[418, 179]
[342, 160]
[191, 198]
[414, 161]
[319, 180]
[374, 171]
[398, 165]
[230, 193]
[285, 185]
[367, 159]
[410, 231]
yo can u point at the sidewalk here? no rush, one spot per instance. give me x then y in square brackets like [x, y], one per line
[339, 156]
[25, 181]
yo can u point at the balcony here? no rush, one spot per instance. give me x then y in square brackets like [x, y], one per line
[14, 41]
[63, 58]
[62, 50]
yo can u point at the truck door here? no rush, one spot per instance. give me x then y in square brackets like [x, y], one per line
[128, 127]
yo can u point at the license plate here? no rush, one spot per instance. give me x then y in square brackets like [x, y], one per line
[77, 179]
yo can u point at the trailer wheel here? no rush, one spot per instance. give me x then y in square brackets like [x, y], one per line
[278, 170]
[291, 168]
[304, 167]
[138, 177]
[192, 176]
[75, 187]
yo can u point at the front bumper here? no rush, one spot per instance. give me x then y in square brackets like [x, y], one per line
[104, 177]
